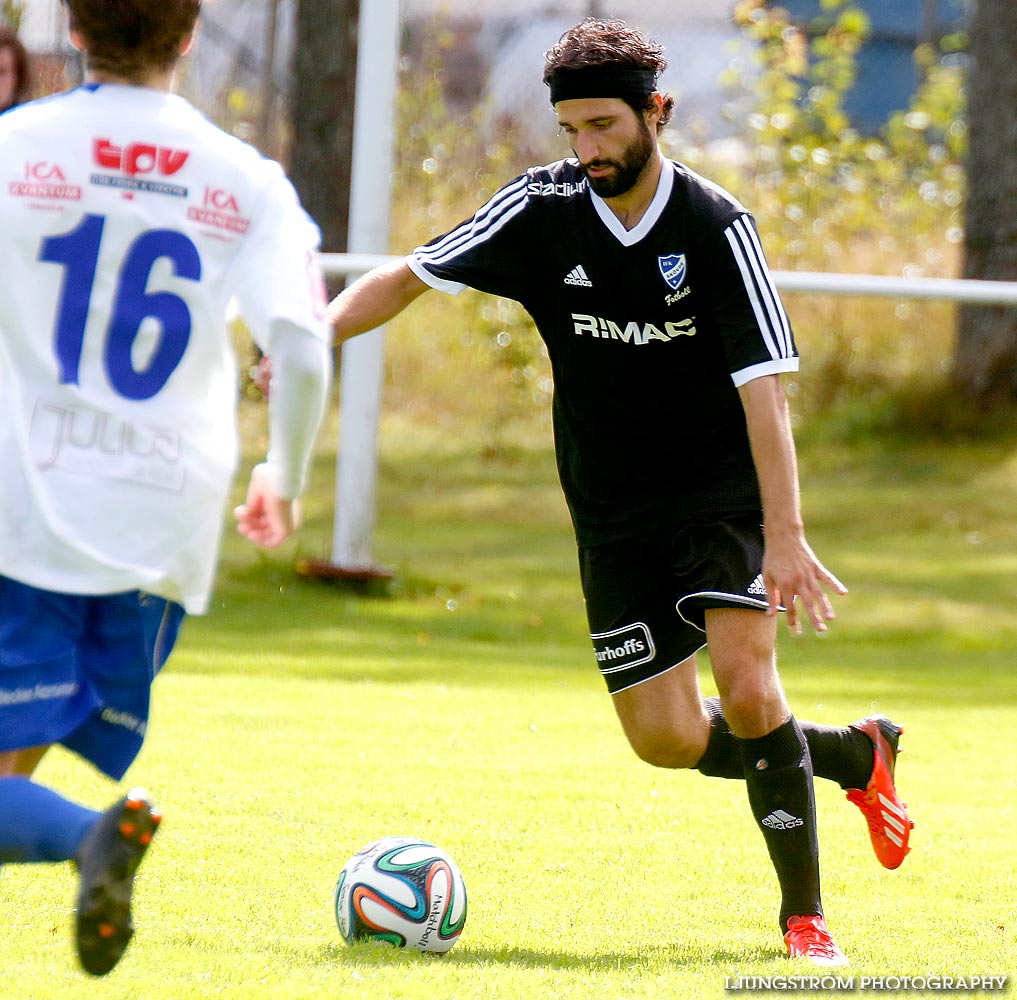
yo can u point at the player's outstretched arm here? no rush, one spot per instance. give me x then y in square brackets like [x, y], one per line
[371, 301]
[374, 299]
[791, 571]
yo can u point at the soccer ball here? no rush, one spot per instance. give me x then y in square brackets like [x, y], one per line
[404, 891]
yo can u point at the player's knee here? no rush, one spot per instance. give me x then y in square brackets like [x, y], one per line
[666, 748]
[752, 701]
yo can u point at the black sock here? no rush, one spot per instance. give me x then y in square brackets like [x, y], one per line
[722, 759]
[778, 775]
[838, 754]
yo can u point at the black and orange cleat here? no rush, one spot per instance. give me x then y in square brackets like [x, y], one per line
[887, 816]
[107, 862]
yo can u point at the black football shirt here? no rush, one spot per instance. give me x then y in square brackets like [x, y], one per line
[649, 331]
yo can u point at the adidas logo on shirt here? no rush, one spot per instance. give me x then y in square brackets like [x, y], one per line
[780, 820]
[757, 586]
[577, 276]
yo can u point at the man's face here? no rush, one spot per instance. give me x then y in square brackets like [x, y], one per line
[613, 143]
[8, 78]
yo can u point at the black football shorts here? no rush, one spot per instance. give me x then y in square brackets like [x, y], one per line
[646, 596]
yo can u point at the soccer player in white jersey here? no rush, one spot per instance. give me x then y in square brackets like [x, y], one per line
[130, 223]
[667, 340]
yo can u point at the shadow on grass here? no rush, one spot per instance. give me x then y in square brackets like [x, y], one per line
[659, 957]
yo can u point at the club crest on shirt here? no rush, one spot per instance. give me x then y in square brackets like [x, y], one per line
[672, 268]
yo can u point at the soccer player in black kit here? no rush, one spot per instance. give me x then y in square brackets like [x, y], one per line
[667, 340]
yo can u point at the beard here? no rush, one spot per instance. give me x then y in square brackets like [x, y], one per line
[626, 170]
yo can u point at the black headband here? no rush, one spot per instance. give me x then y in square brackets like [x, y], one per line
[606, 80]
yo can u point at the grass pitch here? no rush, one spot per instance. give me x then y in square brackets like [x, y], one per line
[297, 722]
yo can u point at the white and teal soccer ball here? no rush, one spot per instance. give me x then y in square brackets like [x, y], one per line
[404, 891]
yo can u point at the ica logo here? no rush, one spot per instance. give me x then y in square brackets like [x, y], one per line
[220, 201]
[44, 172]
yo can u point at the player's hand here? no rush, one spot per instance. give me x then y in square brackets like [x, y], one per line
[266, 519]
[261, 376]
[794, 577]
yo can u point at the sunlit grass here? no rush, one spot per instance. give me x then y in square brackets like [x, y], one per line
[297, 722]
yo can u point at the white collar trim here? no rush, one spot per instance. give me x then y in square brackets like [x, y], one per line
[629, 237]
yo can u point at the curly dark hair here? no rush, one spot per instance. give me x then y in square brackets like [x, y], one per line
[599, 42]
[129, 38]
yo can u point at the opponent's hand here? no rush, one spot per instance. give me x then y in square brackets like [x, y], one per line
[266, 519]
[793, 575]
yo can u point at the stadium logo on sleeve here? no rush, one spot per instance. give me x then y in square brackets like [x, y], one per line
[672, 268]
[623, 648]
[548, 189]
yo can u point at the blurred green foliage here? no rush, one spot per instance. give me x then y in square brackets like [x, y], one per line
[825, 195]
[11, 13]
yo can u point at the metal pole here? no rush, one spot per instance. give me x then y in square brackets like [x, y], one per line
[930, 22]
[363, 357]
[971, 290]
[268, 80]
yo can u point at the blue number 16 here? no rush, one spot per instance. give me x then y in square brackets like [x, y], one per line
[78, 252]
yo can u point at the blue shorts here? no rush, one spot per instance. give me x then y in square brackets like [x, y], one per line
[77, 669]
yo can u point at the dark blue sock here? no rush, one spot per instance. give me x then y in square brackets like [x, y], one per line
[37, 824]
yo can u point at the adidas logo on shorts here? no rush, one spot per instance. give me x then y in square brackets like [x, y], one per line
[757, 586]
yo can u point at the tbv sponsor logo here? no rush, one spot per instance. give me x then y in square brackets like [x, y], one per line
[139, 167]
[139, 158]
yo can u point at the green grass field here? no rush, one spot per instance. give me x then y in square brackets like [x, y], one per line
[297, 722]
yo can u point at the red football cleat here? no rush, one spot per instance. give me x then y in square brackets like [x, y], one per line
[807, 937]
[887, 816]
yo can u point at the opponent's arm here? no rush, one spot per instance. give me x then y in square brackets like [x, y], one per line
[368, 303]
[790, 568]
[374, 299]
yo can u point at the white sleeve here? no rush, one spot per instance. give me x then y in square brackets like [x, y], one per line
[301, 371]
[276, 275]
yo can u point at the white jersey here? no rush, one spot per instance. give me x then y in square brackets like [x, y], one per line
[128, 225]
